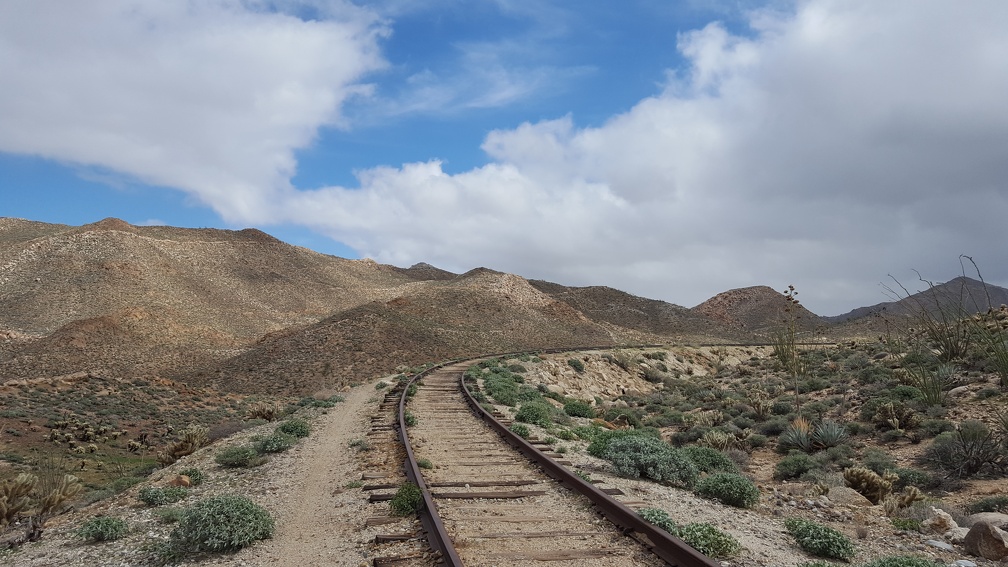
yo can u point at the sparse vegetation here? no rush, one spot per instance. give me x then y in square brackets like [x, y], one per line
[102, 528]
[703, 537]
[161, 495]
[729, 488]
[219, 524]
[407, 500]
[820, 540]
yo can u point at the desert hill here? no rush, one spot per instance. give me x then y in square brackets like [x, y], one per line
[242, 311]
[756, 309]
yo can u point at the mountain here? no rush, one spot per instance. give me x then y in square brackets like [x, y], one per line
[756, 309]
[962, 294]
[621, 309]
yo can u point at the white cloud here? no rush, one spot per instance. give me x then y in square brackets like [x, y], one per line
[836, 143]
[211, 97]
[839, 143]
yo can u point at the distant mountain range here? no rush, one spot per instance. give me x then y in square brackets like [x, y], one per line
[241, 311]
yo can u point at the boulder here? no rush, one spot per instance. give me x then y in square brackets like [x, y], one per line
[939, 522]
[956, 535]
[847, 497]
[555, 389]
[181, 480]
[993, 518]
[987, 541]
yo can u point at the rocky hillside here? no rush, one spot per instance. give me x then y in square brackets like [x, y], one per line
[755, 310]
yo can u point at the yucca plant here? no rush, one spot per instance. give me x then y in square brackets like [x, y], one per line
[798, 435]
[828, 434]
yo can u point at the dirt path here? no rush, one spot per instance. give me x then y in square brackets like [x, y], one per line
[318, 520]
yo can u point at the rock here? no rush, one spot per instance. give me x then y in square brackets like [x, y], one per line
[959, 391]
[964, 563]
[555, 389]
[956, 535]
[847, 496]
[940, 544]
[993, 518]
[939, 522]
[181, 480]
[987, 541]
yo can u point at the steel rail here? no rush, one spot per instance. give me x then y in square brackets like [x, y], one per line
[437, 536]
[663, 544]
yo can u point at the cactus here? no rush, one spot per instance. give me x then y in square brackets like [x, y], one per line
[14, 497]
[869, 483]
[193, 438]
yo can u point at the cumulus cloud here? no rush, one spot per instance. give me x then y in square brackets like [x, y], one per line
[210, 97]
[833, 143]
[836, 143]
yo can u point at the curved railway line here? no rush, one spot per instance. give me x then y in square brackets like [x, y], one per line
[491, 498]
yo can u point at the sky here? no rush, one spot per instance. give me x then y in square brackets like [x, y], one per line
[672, 150]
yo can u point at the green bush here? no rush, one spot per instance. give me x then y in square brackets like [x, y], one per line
[820, 540]
[577, 408]
[904, 561]
[794, 465]
[517, 368]
[195, 475]
[409, 419]
[639, 456]
[576, 364]
[729, 488]
[709, 540]
[703, 537]
[600, 438]
[708, 459]
[240, 456]
[102, 528]
[161, 495]
[275, 443]
[294, 427]
[520, 429]
[221, 523]
[965, 452]
[407, 500]
[536, 413]
[990, 504]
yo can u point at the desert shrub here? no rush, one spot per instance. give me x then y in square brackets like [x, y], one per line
[878, 460]
[794, 466]
[407, 500]
[239, 456]
[576, 364]
[913, 477]
[161, 495]
[709, 540]
[577, 408]
[935, 427]
[221, 523]
[102, 528]
[773, 427]
[966, 451]
[835, 458]
[168, 514]
[268, 411]
[903, 561]
[990, 504]
[709, 460]
[703, 537]
[648, 457]
[517, 368]
[820, 540]
[653, 374]
[409, 419]
[729, 488]
[425, 463]
[275, 443]
[600, 438]
[619, 414]
[905, 524]
[536, 413]
[520, 429]
[295, 427]
[506, 388]
[195, 475]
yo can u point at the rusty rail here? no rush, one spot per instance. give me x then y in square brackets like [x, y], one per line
[668, 547]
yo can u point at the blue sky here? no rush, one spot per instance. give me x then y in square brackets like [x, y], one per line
[669, 149]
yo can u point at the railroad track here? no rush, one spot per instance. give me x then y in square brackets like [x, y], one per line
[494, 499]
